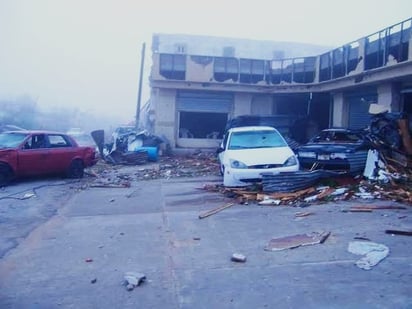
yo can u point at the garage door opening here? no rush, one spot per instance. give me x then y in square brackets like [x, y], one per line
[202, 125]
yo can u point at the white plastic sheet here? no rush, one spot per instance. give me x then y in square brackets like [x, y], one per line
[372, 253]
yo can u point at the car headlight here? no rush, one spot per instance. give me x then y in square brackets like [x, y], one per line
[307, 154]
[338, 155]
[291, 161]
[237, 164]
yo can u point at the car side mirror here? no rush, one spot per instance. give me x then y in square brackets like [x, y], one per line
[219, 150]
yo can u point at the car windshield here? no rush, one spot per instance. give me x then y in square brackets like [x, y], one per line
[11, 140]
[256, 139]
[337, 137]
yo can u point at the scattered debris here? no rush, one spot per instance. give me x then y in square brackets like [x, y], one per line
[129, 147]
[133, 279]
[216, 210]
[361, 238]
[303, 214]
[28, 195]
[372, 253]
[237, 257]
[269, 201]
[291, 242]
[399, 232]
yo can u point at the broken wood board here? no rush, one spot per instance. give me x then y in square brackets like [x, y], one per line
[368, 208]
[300, 214]
[283, 196]
[294, 241]
[216, 210]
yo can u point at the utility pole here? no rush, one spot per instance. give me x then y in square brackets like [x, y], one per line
[139, 92]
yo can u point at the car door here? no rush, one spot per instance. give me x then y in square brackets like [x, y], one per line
[34, 156]
[61, 152]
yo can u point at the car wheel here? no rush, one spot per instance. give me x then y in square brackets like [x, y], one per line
[76, 169]
[5, 175]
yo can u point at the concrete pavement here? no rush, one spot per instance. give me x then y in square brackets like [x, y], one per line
[153, 228]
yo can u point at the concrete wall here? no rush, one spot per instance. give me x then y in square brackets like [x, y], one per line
[388, 96]
[198, 72]
[243, 48]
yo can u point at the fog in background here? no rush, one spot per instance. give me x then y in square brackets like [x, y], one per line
[77, 62]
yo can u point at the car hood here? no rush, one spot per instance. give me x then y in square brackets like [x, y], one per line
[330, 147]
[277, 155]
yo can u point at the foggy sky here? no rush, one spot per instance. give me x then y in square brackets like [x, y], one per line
[86, 53]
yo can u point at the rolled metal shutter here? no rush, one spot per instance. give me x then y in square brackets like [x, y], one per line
[202, 101]
[359, 116]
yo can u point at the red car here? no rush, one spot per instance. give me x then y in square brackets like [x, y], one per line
[31, 153]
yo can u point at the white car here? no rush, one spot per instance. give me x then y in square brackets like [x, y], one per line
[247, 152]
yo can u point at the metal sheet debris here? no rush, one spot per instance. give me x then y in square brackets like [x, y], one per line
[372, 253]
[291, 242]
[399, 232]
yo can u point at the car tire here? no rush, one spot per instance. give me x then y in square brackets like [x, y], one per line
[6, 174]
[76, 169]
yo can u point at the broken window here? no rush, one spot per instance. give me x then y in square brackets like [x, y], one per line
[173, 66]
[202, 125]
[338, 59]
[251, 71]
[225, 69]
[375, 50]
[325, 67]
[353, 56]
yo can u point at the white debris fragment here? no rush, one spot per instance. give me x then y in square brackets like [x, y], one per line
[133, 279]
[269, 201]
[372, 253]
[311, 198]
[28, 195]
[339, 191]
[237, 257]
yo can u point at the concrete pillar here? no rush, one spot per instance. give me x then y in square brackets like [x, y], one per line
[340, 111]
[165, 123]
[389, 96]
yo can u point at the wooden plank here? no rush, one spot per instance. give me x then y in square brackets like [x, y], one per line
[216, 210]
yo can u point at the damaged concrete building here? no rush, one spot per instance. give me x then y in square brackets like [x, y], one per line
[198, 83]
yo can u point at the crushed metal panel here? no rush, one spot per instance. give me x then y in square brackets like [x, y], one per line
[293, 181]
[357, 161]
[290, 242]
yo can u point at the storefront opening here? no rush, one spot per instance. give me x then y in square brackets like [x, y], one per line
[202, 125]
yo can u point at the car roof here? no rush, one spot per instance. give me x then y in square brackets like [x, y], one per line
[252, 128]
[36, 132]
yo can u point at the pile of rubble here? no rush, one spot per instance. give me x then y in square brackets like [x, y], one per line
[196, 165]
[325, 190]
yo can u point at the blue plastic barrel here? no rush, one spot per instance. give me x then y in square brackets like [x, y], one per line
[151, 152]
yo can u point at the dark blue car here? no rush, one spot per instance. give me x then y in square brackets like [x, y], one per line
[336, 149]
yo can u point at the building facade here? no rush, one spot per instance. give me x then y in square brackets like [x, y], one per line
[198, 83]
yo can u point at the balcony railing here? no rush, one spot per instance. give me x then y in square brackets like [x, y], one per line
[388, 46]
